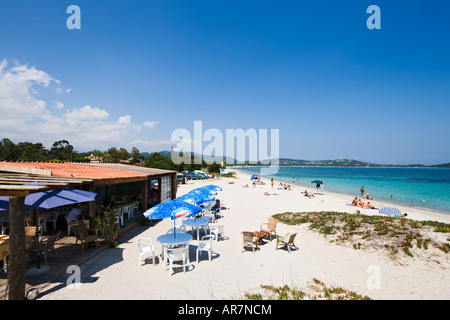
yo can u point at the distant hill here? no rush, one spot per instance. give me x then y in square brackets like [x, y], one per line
[314, 163]
[444, 165]
[325, 163]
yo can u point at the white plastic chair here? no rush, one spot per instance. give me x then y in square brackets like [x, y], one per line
[146, 247]
[126, 210]
[54, 218]
[217, 230]
[177, 230]
[5, 225]
[223, 204]
[218, 212]
[177, 254]
[120, 217]
[134, 208]
[209, 215]
[70, 224]
[205, 245]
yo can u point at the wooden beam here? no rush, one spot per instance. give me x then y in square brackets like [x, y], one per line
[19, 169]
[17, 259]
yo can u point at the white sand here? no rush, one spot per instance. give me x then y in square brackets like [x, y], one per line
[115, 274]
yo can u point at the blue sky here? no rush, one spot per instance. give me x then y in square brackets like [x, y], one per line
[137, 70]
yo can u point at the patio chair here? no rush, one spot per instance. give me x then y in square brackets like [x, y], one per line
[205, 245]
[269, 227]
[48, 243]
[208, 214]
[5, 226]
[223, 204]
[217, 230]
[146, 247]
[177, 230]
[126, 210]
[177, 254]
[82, 234]
[218, 213]
[287, 241]
[249, 240]
[53, 218]
[30, 241]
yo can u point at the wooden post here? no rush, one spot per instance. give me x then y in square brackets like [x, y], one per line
[144, 195]
[17, 260]
[92, 209]
[174, 186]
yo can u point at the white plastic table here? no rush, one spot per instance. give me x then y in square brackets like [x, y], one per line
[173, 239]
[195, 223]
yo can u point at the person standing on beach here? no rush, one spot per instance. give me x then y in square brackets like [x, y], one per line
[362, 191]
[293, 180]
[271, 183]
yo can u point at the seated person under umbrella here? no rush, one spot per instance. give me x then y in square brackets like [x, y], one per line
[76, 213]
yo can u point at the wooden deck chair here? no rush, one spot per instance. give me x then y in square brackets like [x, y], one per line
[249, 240]
[269, 227]
[82, 234]
[287, 241]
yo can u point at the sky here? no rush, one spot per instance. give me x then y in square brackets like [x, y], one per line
[139, 70]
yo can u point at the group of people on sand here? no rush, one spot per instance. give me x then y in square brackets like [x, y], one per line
[360, 204]
[284, 186]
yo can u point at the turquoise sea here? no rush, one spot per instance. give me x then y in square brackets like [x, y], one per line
[427, 188]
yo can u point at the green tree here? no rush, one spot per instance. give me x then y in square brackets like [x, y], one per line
[214, 167]
[158, 161]
[62, 150]
[31, 151]
[8, 150]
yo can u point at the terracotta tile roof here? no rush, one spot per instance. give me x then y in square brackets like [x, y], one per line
[130, 168]
[75, 170]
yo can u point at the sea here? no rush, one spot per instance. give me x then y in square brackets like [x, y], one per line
[426, 188]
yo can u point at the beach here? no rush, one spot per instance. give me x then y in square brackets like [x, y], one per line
[114, 274]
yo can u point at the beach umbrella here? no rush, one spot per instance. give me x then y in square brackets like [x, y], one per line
[254, 177]
[212, 187]
[172, 209]
[318, 184]
[197, 197]
[48, 200]
[389, 211]
[52, 199]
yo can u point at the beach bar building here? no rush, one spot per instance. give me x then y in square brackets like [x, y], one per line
[109, 181]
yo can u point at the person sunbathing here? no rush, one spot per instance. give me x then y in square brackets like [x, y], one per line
[369, 205]
[355, 202]
[360, 203]
[366, 196]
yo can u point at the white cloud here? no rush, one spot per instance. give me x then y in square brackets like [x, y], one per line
[25, 117]
[150, 124]
[58, 105]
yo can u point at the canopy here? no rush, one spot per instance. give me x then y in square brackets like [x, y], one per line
[172, 209]
[317, 181]
[389, 211]
[197, 197]
[52, 199]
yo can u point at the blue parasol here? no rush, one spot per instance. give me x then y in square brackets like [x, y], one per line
[52, 199]
[254, 177]
[212, 187]
[172, 209]
[389, 211]
[197, 197]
